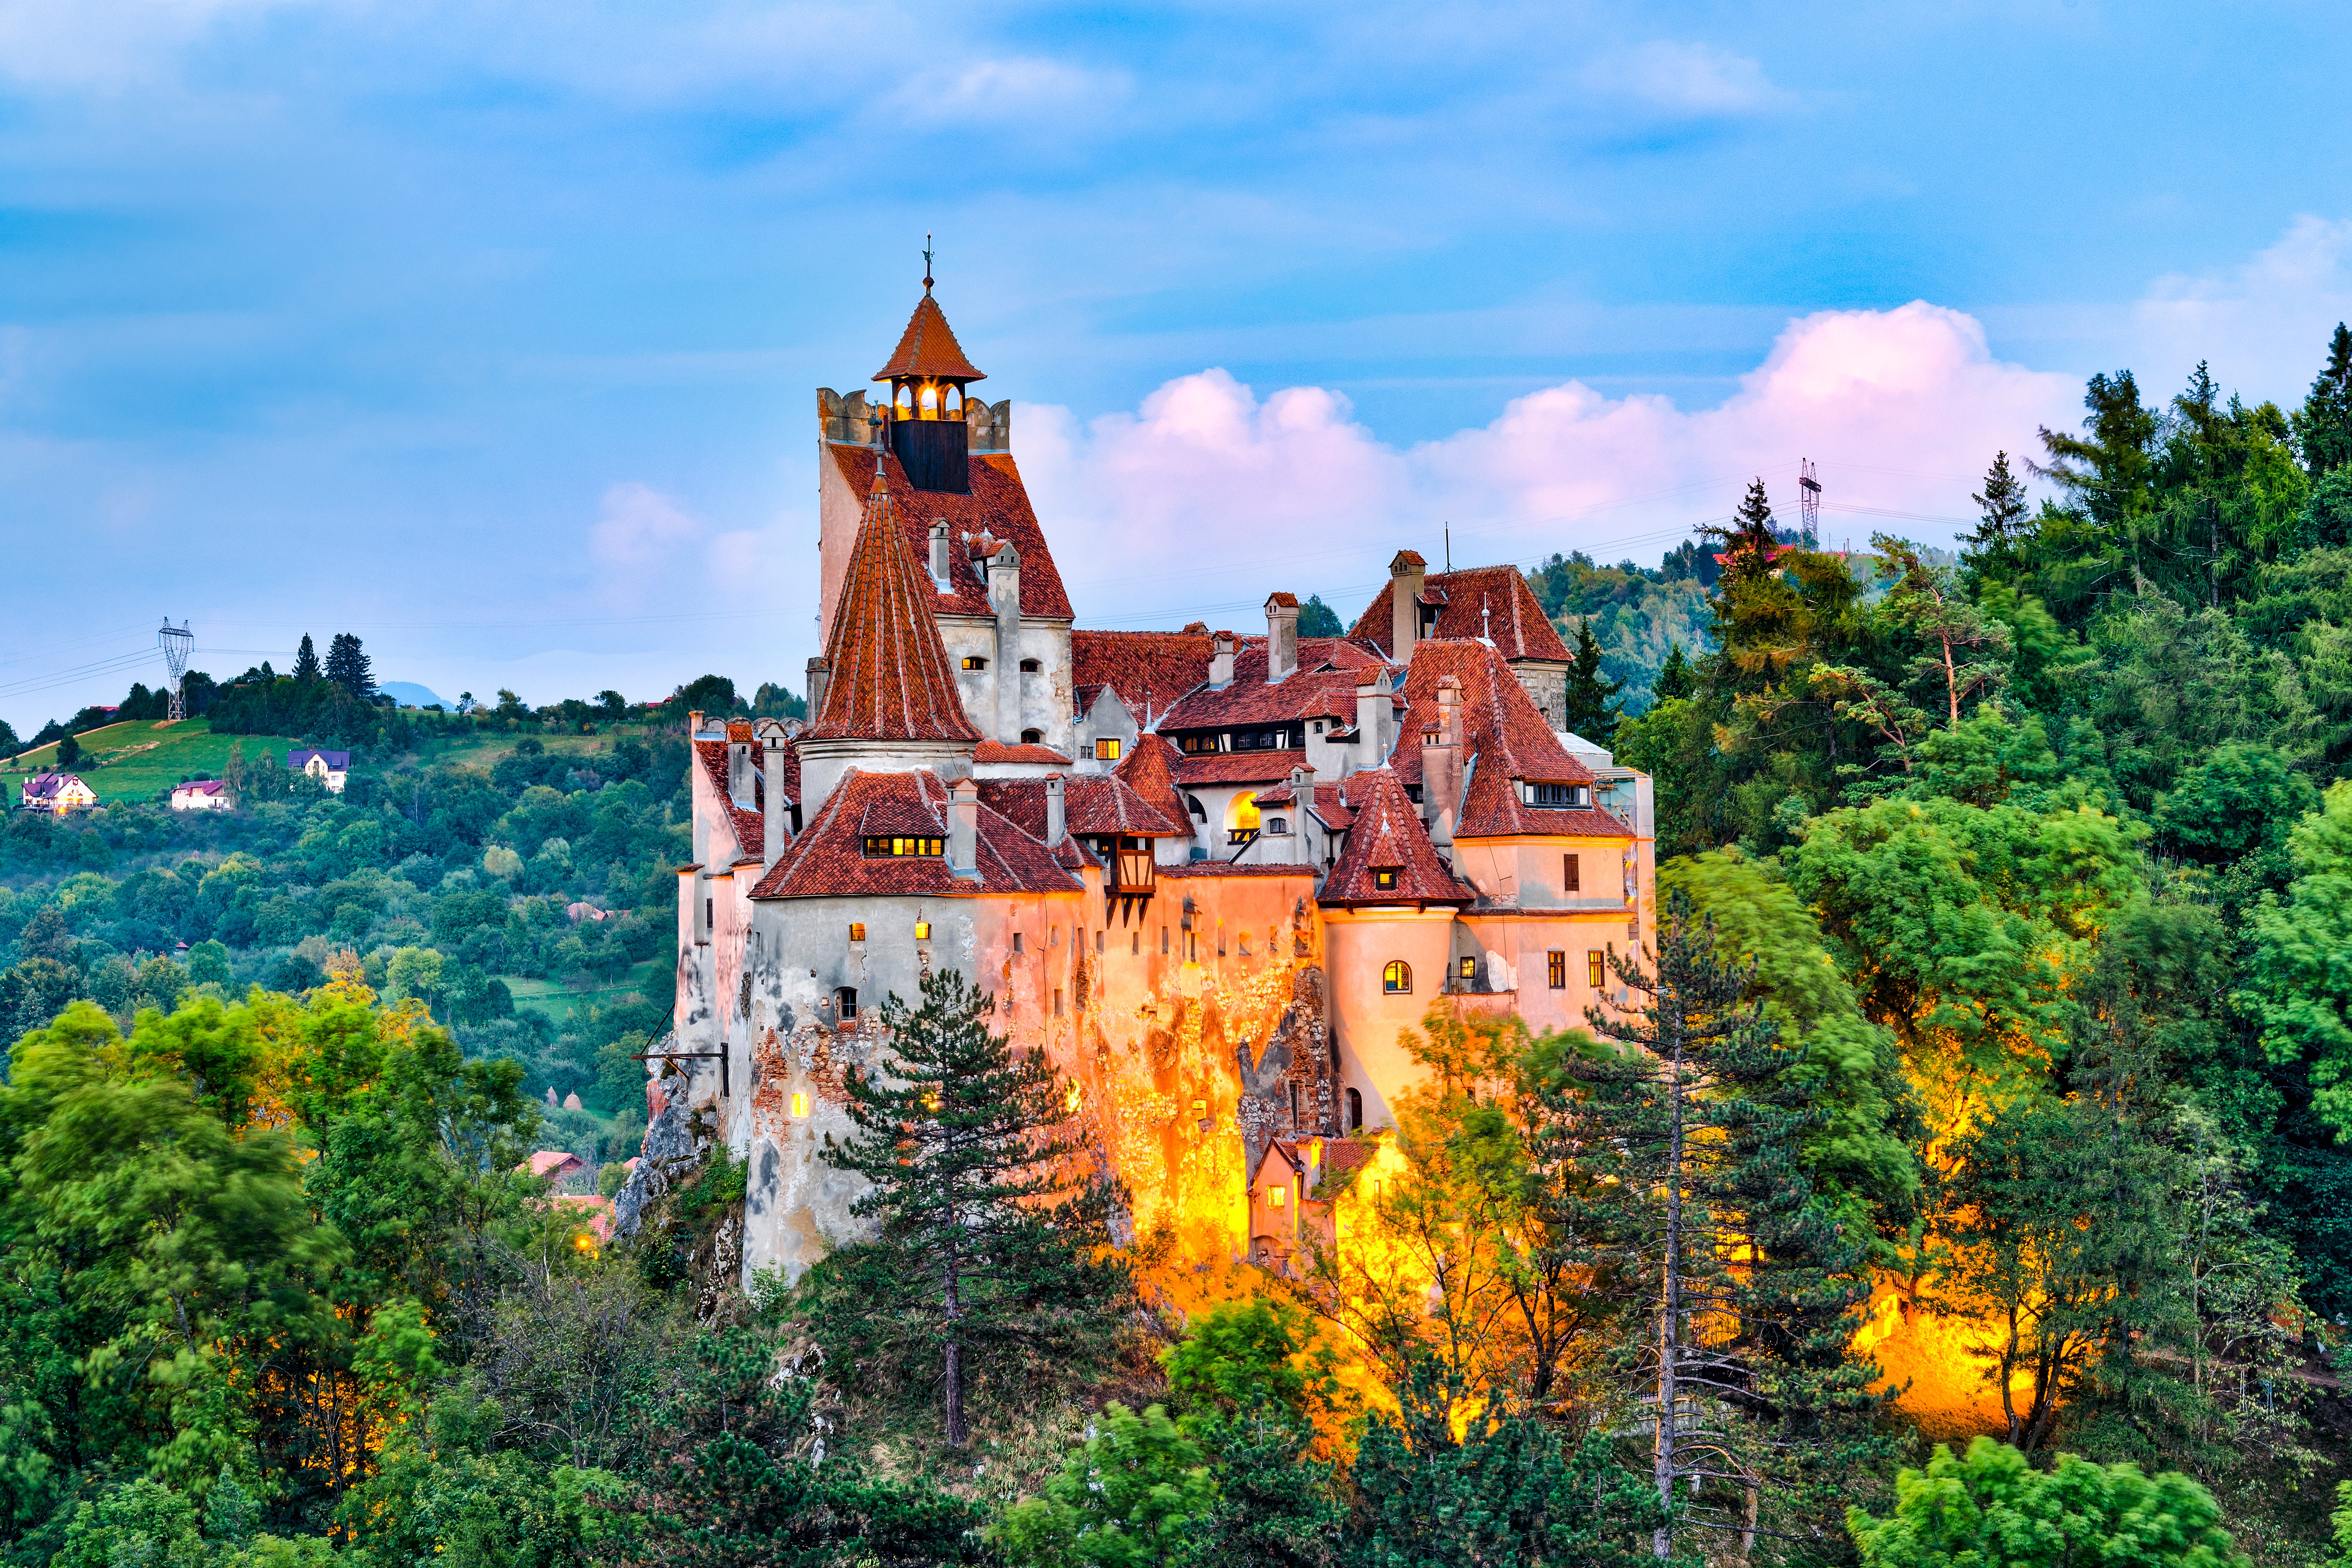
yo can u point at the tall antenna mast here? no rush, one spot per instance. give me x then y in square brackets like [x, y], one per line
[176, 640]
[1809, 502]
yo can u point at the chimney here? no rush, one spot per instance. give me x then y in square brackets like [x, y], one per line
[1372, 697]
[1302, 792]
[1404, 604]
[773, 833]
[820, 675]
[1057, 822]
[738, 772]
[1441, 766]
[1221, 662]
[963, 828]
[1281, 636]
[1004, 598]
[940, 561]
[693, 721]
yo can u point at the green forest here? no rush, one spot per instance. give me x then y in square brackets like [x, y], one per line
[1970, 1185]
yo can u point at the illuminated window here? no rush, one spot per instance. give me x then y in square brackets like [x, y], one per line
[1241, 818]
[1106, 751]
[922, 931]
[1384, 878]
[931, 402]
[880, 846]
[857, 931]
[1556, 969]
[906, 398]
[974, 661]
[1200, 1108]
[1032, 667]
[1276, 1196]
[844, 1002]
[1469, 969]
[1596, 969]
[1072, 1098]
[1397, 978]
[800, 1105]
[1571, 876]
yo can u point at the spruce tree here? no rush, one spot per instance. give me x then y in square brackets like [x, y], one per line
[1749, 541]
[2001, 503]
[1676, 678]
[1590, 712]
[1749, 1279]
[2323, 425]
[346, 667]
[971, 1147]
[306, 660]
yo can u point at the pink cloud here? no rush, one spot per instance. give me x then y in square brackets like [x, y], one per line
[1207, 495]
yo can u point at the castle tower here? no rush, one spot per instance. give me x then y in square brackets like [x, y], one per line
[924, 411]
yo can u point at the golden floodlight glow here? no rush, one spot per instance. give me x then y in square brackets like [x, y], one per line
[800, 1105]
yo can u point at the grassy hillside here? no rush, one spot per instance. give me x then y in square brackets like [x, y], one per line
[133, 760]
[557, 1000]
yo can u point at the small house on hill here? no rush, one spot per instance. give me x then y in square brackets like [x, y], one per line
[554, 1164]
[200, 795]
[329, 768]
[57, 792]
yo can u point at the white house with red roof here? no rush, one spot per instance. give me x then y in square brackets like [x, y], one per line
[201, 794]
[57, 793]
[1213, 875]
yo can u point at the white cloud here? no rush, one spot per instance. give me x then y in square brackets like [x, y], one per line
[107, 44]
[637, 541]
[1694, 80]
[2263, 324]
[1205, 489]
[1005, 90]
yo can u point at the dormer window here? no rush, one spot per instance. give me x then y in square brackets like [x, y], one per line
[885, 847]
[1384, 879]
[1559, 797]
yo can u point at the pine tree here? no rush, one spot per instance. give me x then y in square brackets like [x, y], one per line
[2322, 426]
[2002, 503]
[969, 1145]
[1749, 541]
[1317, 619]
[1590, 711]
[1746, 1367]
[346, 667]
[1677, 680]
[306, 660]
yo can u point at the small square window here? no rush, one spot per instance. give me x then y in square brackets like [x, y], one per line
[857, 931]
[1106, 751]
[1276, 1196]
[1469, 968]
[1384, 879]
[922, 931]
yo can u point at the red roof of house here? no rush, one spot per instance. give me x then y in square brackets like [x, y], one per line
[1149, 670]
[1506, 734]
[1323, 686]
[750, 826]
[829, 859]
[998, 751]
[929, 347]
[1150, 770]
[553, 1163]
[1092, 803]
[1237, 767]
[1478, 601]
[997, 509]
[890, 677]
[1227, 868]
[1388, 835]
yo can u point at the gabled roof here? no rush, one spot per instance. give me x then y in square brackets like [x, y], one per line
[1151, 671]
[1502, 729]
[1323, 686]
[829, 859]
[1237, 767]
[1092, 803]
[1492, 807]
[751, 824]
[1478, 601]
[997, 508]
[1150, 770]
[337, 762]
[998, 751]
[1388, 835]
[929, 348]
[890, 678]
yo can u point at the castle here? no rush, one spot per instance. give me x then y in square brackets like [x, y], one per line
[1213, 875]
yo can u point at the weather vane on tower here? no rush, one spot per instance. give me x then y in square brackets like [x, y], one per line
[927, 261]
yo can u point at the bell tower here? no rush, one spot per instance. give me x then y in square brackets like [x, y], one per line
[924, 410]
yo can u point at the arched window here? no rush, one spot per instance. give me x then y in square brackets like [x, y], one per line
[906, 399]
[1033, 667]
[1355, 1110]
[930, 401]
[844, 1002]
[955, 401]
[1397, 978]
[1276, 826]
[1241, 818]
[1193, 804]
[1033, 737]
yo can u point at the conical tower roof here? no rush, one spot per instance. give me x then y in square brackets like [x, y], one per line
[890, 678]
[929, 347]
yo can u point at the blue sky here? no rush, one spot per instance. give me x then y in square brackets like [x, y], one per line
[490, 332]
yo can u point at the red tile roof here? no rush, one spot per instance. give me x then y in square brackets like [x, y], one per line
[1237, 767]
[1506, 734]
[998, 751]
[1388, 835]
[1149, 670]
[750, 826]
[1091, 803]
[1513, 618]
[829, 859]
[1323, 686]
[1227, 868]
[997, 507]
[1150, 770]
[890, 678]
[929, 348]
[1332, 807]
